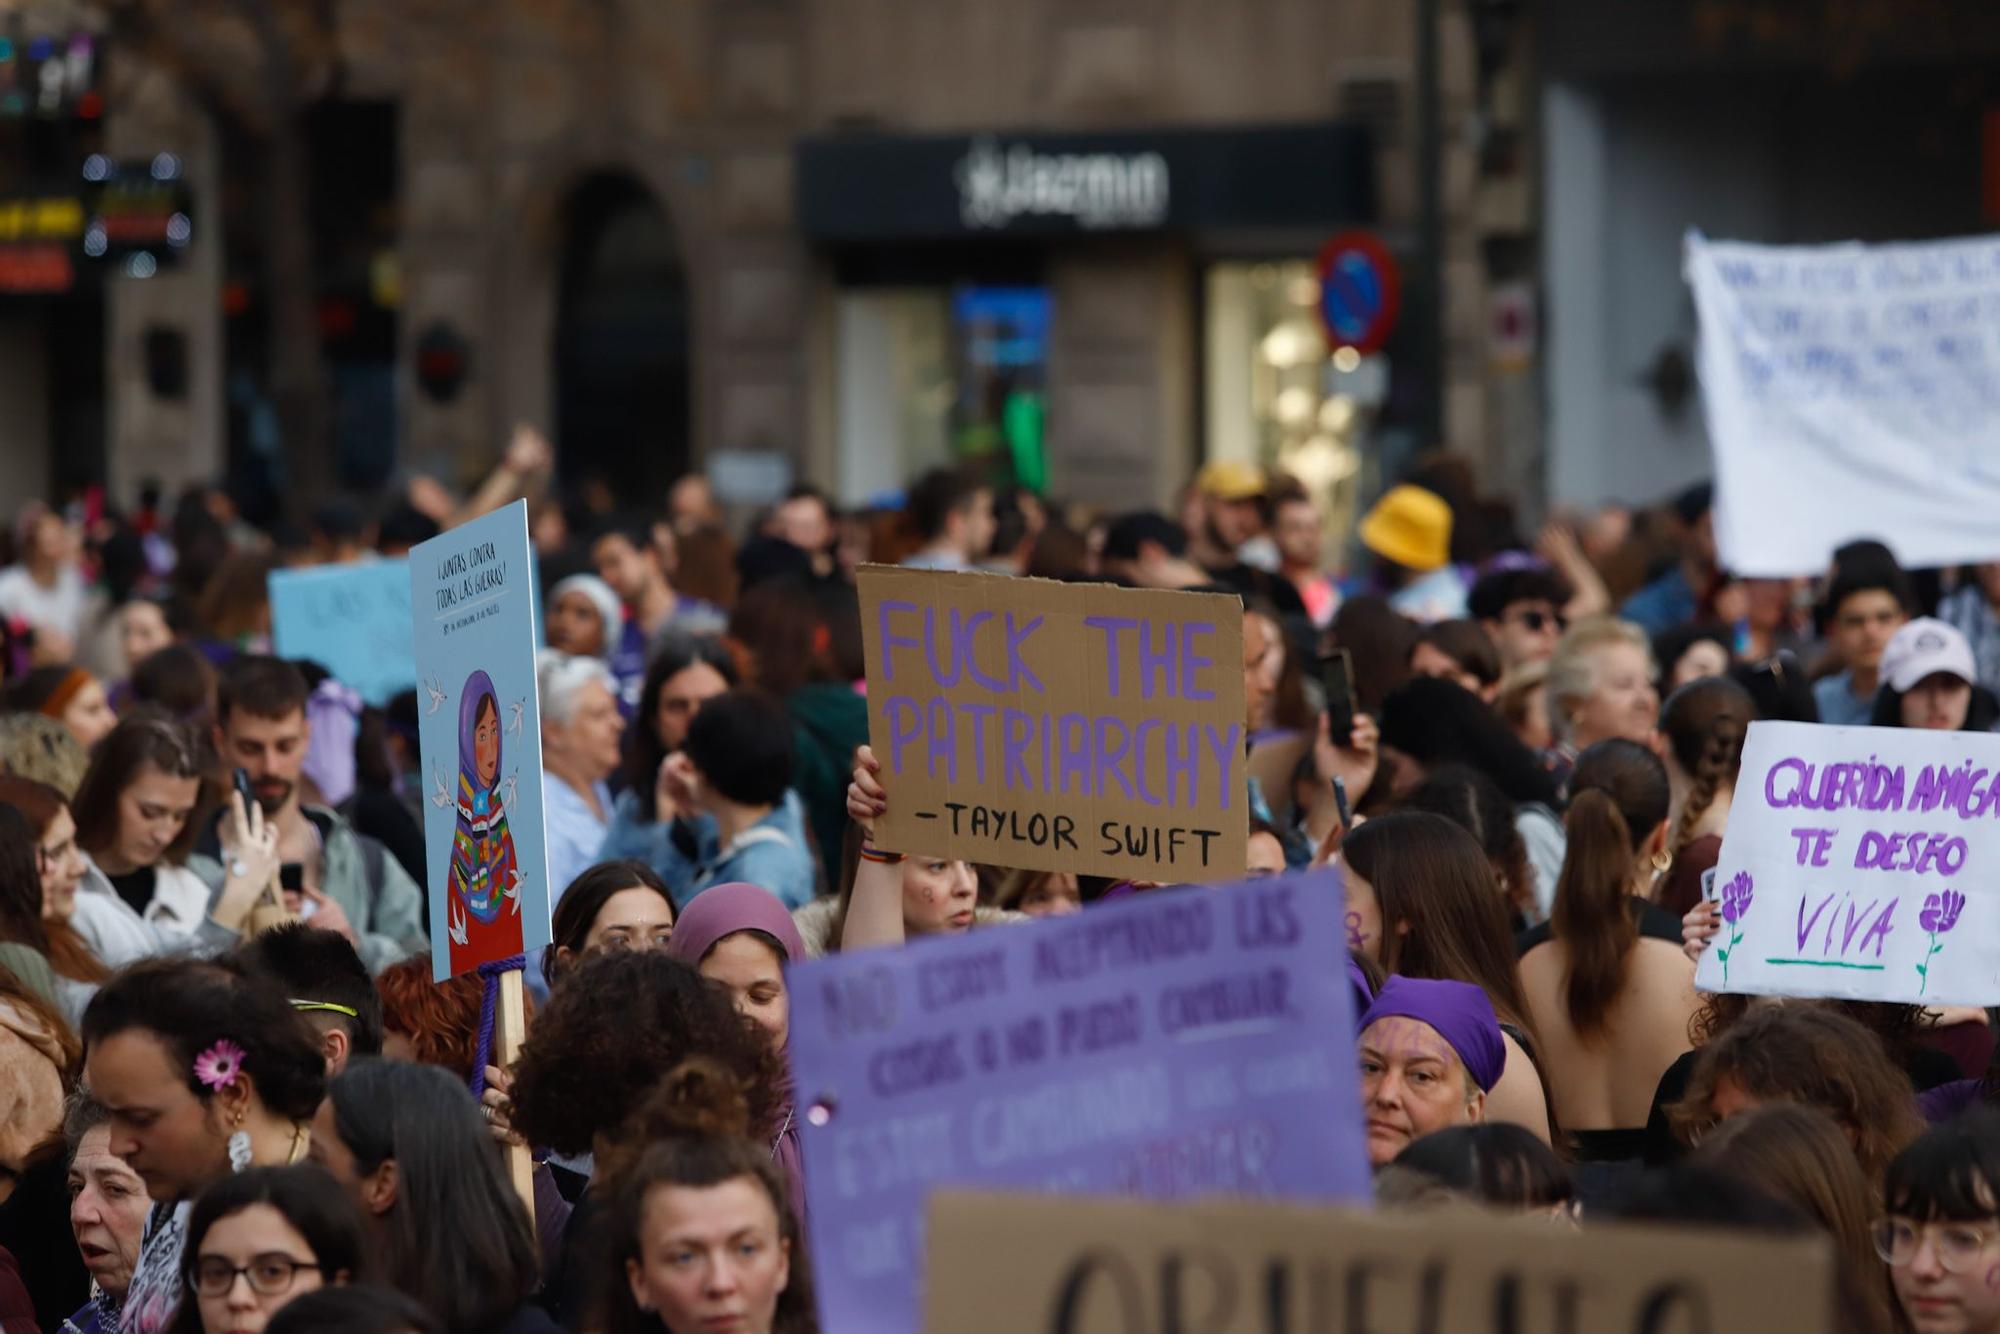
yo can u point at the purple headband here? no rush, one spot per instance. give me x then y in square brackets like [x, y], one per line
[1459, 1011]
[723, 910]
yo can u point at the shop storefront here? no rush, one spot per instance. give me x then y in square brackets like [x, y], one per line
[1093, 313]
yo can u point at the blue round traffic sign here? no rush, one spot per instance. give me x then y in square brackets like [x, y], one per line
[1359, 293]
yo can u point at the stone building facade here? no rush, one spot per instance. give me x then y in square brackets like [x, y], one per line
[514, 114]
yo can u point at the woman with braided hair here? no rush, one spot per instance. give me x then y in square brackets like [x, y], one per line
[1703, 726]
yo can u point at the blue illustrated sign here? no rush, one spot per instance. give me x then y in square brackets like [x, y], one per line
[353, 620]
[479, 719]
[1186, 1042]
[1359, 291]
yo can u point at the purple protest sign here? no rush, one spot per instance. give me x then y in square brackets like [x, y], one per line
[1184, 1042]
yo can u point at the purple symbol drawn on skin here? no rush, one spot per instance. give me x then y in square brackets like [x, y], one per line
[1736, 896]
[1939, 916]
[1355, 941]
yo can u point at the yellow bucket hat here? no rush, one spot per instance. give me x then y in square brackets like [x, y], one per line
[1410, 526]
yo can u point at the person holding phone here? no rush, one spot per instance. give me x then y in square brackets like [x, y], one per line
[1345, 754]
[137, 897]
[346, 882]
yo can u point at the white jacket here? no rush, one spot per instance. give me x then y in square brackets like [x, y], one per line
[175, 922]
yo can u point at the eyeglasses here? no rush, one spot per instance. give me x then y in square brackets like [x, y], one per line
[1533, 620]
[1958, 1245]
[269, 1275]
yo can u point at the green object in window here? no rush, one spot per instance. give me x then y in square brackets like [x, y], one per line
[1022, 419]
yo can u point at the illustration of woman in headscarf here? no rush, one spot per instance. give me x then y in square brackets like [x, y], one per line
[484, 909]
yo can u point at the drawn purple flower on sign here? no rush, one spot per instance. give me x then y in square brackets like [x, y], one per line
[1939, 916]
[1941, 912]
[1736, 896]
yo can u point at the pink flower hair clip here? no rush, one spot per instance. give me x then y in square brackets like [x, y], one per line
[220, 1064]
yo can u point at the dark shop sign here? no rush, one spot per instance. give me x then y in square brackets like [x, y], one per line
[861, 188]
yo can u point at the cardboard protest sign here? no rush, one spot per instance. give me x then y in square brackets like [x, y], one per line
[1861, 862]
[1182, 1042]
[1850, 394]
[480, 726]
[353, 620]
[1057, 727]
[1003, 1264]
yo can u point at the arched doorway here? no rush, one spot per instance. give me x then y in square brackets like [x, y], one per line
[621, 343]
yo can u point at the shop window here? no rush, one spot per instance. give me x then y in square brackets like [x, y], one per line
[1275, 394]
[940, 375]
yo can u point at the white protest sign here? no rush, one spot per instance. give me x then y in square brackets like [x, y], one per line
[1852, 391]
[1861, 862]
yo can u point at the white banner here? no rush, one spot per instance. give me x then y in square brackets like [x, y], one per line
[1861, 862]
[1852, 391]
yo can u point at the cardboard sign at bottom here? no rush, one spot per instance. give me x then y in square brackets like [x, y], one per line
[1022, 1264]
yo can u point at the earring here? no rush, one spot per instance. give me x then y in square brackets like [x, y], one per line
[239, 1145]
[1662, 860]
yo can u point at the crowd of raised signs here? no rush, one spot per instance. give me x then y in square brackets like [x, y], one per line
[219, 1113]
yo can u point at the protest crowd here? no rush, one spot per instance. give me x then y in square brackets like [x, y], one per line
[1510, 757]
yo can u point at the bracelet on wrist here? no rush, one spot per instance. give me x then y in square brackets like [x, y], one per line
[871, 853]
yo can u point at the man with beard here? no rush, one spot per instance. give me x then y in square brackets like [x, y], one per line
[348, 883]
[1226, 514]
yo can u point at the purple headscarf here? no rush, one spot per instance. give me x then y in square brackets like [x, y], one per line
[723, 910]
[718, 912]
[1459, 1011]
[478, 686]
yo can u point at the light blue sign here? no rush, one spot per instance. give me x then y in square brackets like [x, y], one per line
[472, 596]
[353, 620]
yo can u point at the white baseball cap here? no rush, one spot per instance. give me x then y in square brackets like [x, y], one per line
[1924, 647]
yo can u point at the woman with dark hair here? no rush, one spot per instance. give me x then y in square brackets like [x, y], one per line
[1609, 987]
[357, 1308]
[257, 1240]
[1460, 652]
[1688, 653]
[1941, 1235]
[689, 671]
[1805, 1053]
[1473, 802]
[1430, 723]
[1284, 710]
[741, 938]
[697, 1234]
[1704, 725]
[617, 1021]
[798, 642]
[1420, 903]
[35, 934]
[203, 1073]
[137, 896]
[408, 1144]
[615, 905]
[1930, 680]
[1496, 1164]
[1799, 1156]
[1380, 641]
[178, 679]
